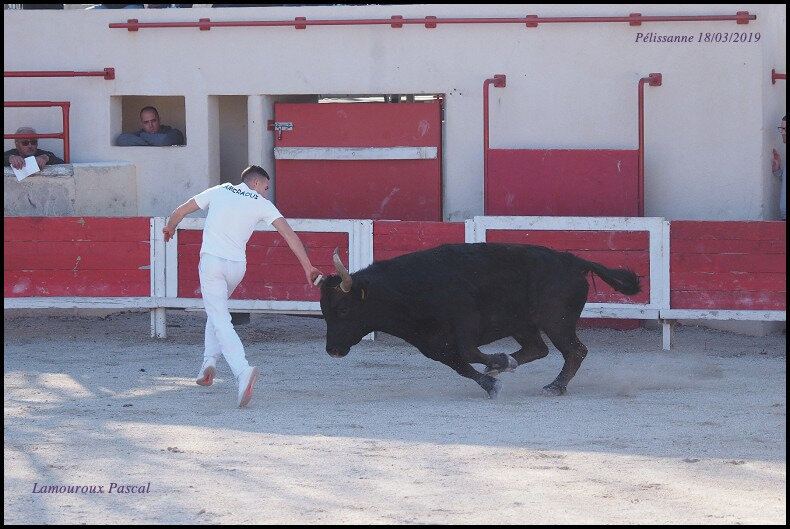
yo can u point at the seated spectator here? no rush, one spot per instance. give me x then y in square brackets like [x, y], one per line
[153, 132]
[28, 147]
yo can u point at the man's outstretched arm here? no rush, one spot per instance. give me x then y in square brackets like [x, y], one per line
[295, 243]
[177, 216]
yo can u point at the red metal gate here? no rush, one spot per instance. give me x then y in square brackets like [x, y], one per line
[359, 160]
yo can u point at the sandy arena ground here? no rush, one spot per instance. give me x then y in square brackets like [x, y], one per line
[385, 436]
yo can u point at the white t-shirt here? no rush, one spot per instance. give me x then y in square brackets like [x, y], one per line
[233, 212]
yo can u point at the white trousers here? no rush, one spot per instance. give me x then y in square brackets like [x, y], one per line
[218, 279]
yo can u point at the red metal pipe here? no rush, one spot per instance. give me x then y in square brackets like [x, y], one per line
[108, 73]
[654, 79]
[397, 21]
[66, 143]
[775, 76]
[498, 81]
[64, 108]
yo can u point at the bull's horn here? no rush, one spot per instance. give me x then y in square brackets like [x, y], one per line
[345, 285]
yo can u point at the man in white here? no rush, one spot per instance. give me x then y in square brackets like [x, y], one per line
[233, 212]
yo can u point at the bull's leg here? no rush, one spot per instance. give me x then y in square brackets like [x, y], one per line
[532, 348]
[466, 334]
[573, 351]
[488, 383]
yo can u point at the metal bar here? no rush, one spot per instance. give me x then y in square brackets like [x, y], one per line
[34, 103]
[775, 76]
[499, 81]
[66, 143]
[133, 24]
[64, 135]
[107, 73]
[654, 79]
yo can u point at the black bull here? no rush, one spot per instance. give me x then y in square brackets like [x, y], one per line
[450, 300]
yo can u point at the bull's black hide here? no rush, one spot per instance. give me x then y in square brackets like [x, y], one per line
[449, 300]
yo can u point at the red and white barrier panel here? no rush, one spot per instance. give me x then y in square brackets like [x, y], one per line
[731, 270]
[392, 238]
[77, 262]
[274, 281]
[688, 269]
[612, 241]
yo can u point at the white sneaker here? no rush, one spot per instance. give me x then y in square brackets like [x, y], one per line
[247, 379]
[207, 374]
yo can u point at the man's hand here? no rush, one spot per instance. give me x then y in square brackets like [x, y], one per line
[17, 162]
[312, 274]
[168, 232]
[190, 206]
[42, 160]
[776, 163]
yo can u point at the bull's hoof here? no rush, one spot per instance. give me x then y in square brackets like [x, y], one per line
[496, 387]
[512, 364]
[554, 390]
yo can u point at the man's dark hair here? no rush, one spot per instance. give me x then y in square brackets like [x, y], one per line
[252, 171]
[155, 111]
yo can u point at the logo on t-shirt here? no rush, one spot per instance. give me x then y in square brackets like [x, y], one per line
[250, 194]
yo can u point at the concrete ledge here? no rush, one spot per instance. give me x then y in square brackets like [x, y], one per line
[102, 189]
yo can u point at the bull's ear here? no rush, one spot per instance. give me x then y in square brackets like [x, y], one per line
[363, 289]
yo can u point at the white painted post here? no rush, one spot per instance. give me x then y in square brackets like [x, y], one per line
[668, 334]
[667, 325]
[158, 314]
[360, 251]
[469, 230]
[256, 125]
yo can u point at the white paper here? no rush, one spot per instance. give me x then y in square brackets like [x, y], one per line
[30, 167]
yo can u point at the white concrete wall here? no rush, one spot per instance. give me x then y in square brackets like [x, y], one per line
[709, 134]
[91, 189]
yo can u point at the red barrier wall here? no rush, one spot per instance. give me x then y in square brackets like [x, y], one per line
[562, 182]
[273, 272]
[394, 238]
[76, 256]
[728, 265]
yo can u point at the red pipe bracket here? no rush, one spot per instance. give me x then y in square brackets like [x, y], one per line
[532, 21]
[638, 21]
[396, 24]
[654, 79]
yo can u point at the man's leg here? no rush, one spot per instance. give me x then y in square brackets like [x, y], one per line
[211, 353]
[218, 279]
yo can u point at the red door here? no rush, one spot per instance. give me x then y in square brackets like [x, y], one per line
[358, 160]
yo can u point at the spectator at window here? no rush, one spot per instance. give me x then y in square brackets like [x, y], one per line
[153, 132]
[28, 147]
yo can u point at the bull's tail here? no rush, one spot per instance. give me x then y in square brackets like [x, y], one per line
[622, 280]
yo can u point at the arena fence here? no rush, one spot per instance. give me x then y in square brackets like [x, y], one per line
[688, 269]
